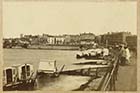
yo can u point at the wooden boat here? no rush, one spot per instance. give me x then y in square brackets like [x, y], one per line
[25, 71]
[9, 75]
[19, 77]
[82, 54]
[97, 53]
[48, 67]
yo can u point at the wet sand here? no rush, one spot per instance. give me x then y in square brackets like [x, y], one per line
[62, 83]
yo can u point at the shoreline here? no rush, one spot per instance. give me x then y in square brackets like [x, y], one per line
[54, 47]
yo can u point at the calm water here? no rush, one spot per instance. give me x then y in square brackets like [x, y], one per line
[20, 56]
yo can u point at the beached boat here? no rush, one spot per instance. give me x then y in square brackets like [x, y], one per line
[9, 75]
[19, 77]
[49, 68]
[97, 53]
[82, 54]
[25, 71]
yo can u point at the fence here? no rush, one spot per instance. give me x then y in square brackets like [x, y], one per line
[108, 81]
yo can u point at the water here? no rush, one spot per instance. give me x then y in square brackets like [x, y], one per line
[21, 56]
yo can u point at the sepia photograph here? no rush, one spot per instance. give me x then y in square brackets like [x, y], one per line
[66, 45]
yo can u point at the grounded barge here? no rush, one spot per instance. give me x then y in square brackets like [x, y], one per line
[19, 77]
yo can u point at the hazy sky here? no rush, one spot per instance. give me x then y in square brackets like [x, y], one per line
[68, 17]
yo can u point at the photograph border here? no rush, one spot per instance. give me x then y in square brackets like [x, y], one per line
[138, 45]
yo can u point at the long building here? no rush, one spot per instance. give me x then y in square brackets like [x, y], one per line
[114, 38]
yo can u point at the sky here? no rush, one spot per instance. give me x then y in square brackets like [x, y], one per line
[57, 18]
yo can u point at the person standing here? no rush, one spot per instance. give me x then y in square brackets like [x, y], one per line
[122, 55]
[127, 55]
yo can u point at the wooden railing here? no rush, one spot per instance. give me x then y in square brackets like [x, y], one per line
[109, 79]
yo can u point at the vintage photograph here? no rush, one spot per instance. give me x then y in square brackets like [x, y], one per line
[69, 46]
